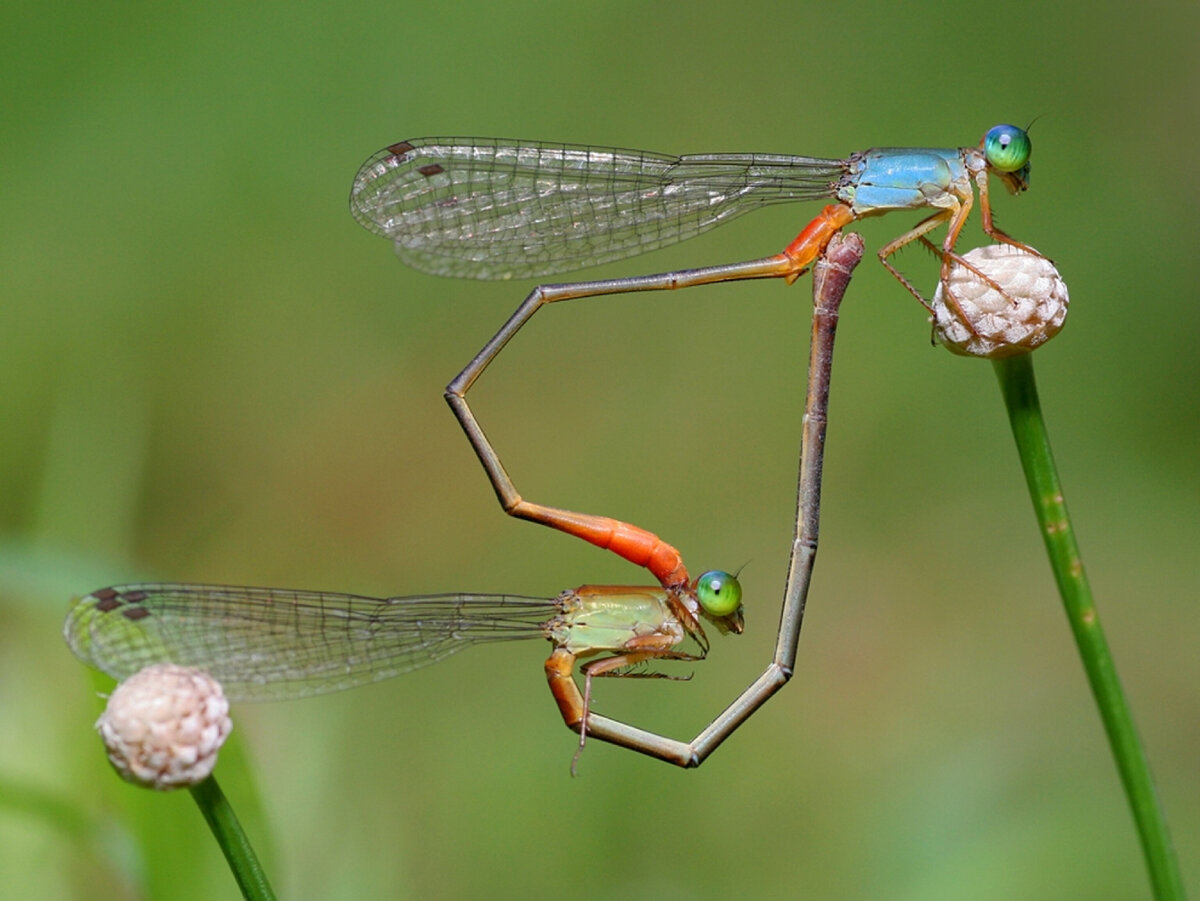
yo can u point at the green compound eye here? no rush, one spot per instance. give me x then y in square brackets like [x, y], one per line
[1007, 148]
[719, 593]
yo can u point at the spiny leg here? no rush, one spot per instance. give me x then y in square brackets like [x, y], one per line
[574, 707]
[968, 265]
[989, 227]
[956, 216]
[949, 255]
[918, 233]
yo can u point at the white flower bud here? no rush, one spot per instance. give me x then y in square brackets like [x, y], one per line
[164, 725]
[983, 322]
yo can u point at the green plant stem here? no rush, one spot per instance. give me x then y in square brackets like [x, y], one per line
[1033, 445]
[233, 841]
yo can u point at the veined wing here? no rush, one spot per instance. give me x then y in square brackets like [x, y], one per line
[498, 208]
[272, 644]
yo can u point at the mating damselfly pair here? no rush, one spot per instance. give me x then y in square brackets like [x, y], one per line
[504, 209]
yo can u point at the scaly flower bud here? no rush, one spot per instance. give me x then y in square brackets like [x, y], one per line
[164, 725]
[986, 323]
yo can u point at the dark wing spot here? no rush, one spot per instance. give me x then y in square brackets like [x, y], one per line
[107, 599]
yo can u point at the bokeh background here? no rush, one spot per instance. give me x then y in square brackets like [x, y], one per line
[210, 373]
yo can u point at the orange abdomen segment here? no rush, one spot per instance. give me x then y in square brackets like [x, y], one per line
[634, 544]
[810, 243]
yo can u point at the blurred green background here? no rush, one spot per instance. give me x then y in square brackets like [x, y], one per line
[210, 373]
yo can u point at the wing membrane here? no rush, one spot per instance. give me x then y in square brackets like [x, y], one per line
[270, 643]
[495, 208]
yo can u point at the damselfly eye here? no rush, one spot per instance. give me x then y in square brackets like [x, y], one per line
[1007, 148]
[719, 593]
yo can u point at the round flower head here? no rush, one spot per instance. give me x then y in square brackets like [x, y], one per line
[163, 726]
[977, 320]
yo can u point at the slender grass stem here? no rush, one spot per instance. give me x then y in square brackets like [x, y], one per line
[1033, 445]
[226, 829]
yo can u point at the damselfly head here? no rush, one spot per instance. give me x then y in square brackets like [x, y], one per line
[1007, 149]
[720, 597]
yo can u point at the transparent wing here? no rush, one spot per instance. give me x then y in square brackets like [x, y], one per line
[499, 208]
[270, 643]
